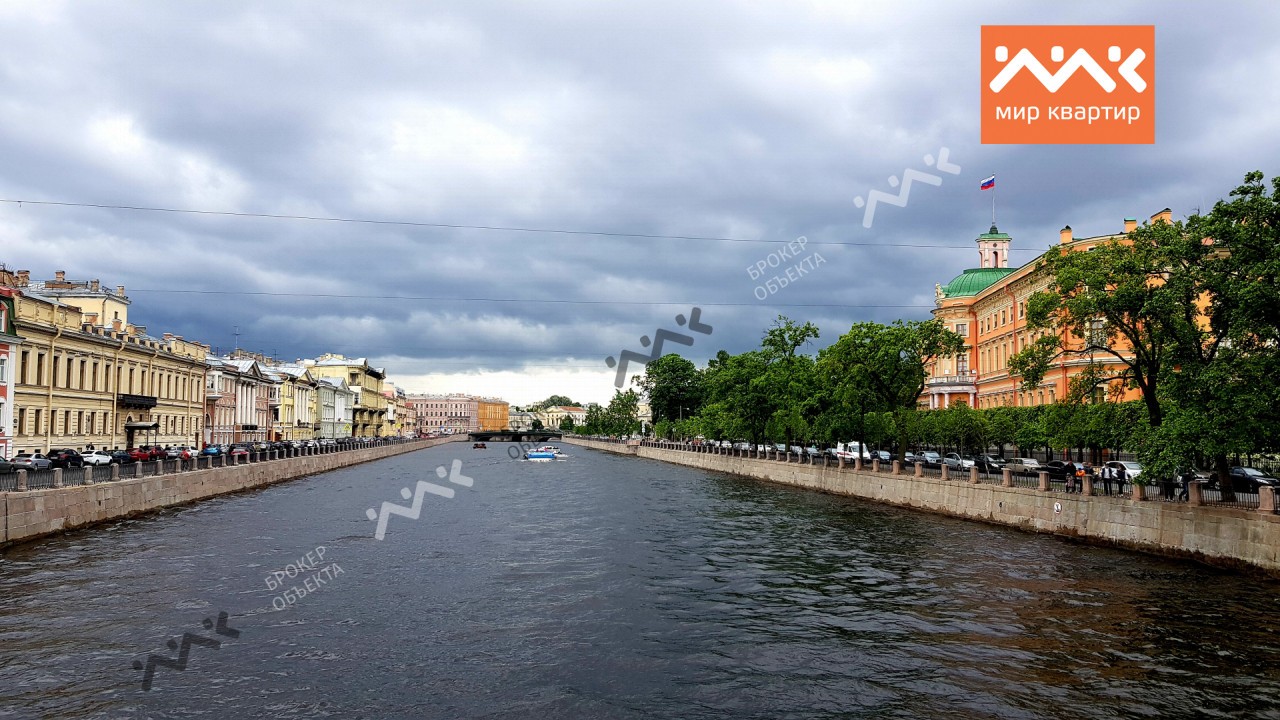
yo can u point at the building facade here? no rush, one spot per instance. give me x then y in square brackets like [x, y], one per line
[553, 417]
[334, 401]
[295, 418]
[89, 378]
[445, 414]
[369, 409]
[9, 344]
[987, 305]
[492, 414]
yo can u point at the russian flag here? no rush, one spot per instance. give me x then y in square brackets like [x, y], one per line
[988, 184]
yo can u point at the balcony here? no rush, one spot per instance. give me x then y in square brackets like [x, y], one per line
[963, 382]
[145, 402]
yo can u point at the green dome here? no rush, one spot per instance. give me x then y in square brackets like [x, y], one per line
[973, 281]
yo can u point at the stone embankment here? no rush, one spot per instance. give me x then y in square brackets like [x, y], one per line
[1232, 537]
[29, 514]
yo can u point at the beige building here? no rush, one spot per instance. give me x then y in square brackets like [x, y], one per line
[492, 414]
[87, 376]
[295, 418]
[553, 417]
[369, 408]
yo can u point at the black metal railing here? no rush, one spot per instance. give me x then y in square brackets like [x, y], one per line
[1246, 500]
[101, 473]
[39, 479]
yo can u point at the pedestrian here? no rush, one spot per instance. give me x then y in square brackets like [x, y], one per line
[1121, 473]
[1188, 477]
[1080, 477]
[1107, 473]
[1069, 477]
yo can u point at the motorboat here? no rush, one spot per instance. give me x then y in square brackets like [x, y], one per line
[538, 456]
[479, 446]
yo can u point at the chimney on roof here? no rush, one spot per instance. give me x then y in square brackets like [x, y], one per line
[168, 337]
[120, 290]
[1130, 224]
[91, 318]
[24, 277]
[115, 325]
[1165, 215]
[1064, 235]
[94, 285]
[60, 276]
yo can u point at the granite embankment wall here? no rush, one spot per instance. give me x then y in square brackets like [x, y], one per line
[1222, 536]
[30, 514]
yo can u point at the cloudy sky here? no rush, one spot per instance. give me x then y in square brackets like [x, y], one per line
[695, 138]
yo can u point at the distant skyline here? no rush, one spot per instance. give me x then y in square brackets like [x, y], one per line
[699, 139]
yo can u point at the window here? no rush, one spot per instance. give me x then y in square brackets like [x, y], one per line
[39, 369]
[962, 329]
[39, 429]
[3, 363]
[21, 428]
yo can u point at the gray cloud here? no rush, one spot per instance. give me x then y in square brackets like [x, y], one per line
[721, 119]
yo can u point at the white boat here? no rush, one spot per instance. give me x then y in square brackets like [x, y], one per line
[545, 453]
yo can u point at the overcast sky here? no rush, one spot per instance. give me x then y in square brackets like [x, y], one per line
[756, 122]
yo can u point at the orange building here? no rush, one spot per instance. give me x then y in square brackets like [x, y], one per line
[987, 305]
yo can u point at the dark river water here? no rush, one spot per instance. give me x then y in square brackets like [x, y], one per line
[611, 587]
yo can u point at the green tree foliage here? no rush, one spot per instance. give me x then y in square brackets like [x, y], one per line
[674, 388]
[553, 401]
[887, 362]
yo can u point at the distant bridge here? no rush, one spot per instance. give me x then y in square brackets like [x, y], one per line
[515, 436]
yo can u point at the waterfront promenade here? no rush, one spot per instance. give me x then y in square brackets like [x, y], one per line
[1225, 536]
[81, 497]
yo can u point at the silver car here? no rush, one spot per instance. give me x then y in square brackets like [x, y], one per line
[31, 461]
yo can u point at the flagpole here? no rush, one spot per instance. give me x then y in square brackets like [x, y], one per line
[993, 202]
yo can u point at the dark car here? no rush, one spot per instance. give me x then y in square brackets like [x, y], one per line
[989, 463]
[64, 458]
[121, 457]
[1057, 469]
[6, 466]
[1247, 479]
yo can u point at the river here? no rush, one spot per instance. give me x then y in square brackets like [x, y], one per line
[613, 587]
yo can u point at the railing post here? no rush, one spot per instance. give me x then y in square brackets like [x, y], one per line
[115, 472]
[857, 464]
[88, 474]
[1087, 490]
[57, 477]
[875, 465]
[1044, 481]
[946, 471]
[840, 462]
[1137, 492]
[1266, 499]
[1195, 495]
[918, 472]
[22, 481]
[897, 468]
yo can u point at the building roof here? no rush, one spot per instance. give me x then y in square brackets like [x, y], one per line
[974, 280]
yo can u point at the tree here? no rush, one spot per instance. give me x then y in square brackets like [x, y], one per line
[567, 425]
[553, 401]
[888, 363]
[674, 387]
[789, 379]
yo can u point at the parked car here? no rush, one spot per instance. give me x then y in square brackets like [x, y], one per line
[140, 454]
[1247, 479]
[1057, 469]
[97, 457]
[238, 450]
[1024, 466]
[1131, 469]
[990, 463]
[813, 452]
[65, 458]
[883, 456]
[929, 459]
[31, 461]
[956, 462]
[121, 457]
[6, 466]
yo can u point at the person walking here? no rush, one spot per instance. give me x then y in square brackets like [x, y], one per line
[1188, 477]
[1107, 471]
[1069, 477]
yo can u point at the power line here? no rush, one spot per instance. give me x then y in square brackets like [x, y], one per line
[463, 226]
[342, 296]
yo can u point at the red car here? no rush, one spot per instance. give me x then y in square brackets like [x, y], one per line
[140, 454]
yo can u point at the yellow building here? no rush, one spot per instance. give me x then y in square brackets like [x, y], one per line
[369, 404]
[89, 377]
[987, 305]
[492, 414]
[295, 417]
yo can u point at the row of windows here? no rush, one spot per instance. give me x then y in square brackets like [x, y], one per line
[92, 422]
[993, 321]
[1037, 397]
[83, 374]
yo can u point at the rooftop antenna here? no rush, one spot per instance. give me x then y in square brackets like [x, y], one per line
[237, 334]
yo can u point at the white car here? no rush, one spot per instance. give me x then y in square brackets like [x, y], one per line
[97, 457]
